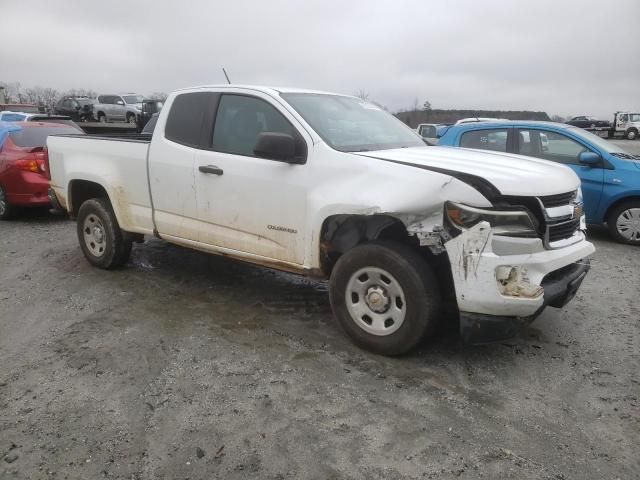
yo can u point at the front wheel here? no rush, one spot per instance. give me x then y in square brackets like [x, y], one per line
[632, 134]
[624, 222]
[100, 237]
[385, 296]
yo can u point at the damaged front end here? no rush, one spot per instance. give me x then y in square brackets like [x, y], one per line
[504, 271]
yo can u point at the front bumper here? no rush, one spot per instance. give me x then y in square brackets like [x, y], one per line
[559, 288]
[504, 283]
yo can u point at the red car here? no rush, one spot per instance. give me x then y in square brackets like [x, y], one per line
[24, 179]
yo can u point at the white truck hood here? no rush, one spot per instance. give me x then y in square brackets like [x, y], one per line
[510, 174]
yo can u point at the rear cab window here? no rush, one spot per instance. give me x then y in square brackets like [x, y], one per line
[190, 115]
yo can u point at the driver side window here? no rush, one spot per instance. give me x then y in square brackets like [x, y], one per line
[550, 146]
[239, 121]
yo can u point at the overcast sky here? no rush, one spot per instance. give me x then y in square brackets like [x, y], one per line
[565, 57]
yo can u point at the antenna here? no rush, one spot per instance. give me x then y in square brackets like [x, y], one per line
[227, 76]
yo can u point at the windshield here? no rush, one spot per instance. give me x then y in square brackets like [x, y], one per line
[133, 98]
[350, 124]
[600, 142]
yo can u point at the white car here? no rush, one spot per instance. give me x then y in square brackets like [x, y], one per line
[333, 187]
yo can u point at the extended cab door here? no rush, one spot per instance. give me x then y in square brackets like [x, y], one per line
[172, 172]
[246, 203]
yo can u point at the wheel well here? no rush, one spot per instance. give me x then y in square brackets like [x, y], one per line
[619, 202]
[82, 190]
[101, 113]
[340, 233]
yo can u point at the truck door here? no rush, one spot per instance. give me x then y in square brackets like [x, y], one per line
[245, 203]
[621, 122]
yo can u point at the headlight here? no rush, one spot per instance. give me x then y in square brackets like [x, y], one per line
[503, 222]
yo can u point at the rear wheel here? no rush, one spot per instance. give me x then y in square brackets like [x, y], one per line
[624, 222]
[6, 210]
[385, 296]
[131, 118]
[102, 118]
[100, 237]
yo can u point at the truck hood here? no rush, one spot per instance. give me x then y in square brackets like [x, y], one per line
[508, 173]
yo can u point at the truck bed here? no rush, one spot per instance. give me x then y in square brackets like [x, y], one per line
[120, 158]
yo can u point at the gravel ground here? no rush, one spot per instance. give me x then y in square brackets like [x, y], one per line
[184, 365]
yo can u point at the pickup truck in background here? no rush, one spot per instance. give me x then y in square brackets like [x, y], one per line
[333, 187]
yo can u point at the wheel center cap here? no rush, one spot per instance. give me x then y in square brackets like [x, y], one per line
[97, 234]
[377, 299]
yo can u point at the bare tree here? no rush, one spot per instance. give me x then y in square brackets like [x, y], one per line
[415, 112]
[426, 106]
[362, 95]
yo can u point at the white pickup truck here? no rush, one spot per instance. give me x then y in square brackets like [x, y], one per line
[333, 187]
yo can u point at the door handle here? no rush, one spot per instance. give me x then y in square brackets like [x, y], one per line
[210, 169]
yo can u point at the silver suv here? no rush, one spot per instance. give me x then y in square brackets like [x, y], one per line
[125, 107]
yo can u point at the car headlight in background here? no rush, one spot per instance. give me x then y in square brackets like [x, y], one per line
[503, 222]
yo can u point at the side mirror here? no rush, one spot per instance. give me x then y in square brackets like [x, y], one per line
[276, 146]
[119, 102]
[589, 158]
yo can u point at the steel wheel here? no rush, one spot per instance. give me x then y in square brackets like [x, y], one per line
[631, 135]
[376, 301]
[628, 224]
[94, 235]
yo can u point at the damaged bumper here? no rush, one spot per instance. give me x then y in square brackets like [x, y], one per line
[504, 283]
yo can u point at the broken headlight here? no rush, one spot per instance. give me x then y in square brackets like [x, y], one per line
[516, 223]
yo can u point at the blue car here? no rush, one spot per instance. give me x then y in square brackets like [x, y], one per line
[610, 177]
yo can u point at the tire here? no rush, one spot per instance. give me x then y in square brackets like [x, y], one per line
[100, 237]
[7, 211]
[632, 134]
[131, 119]
[102, 118]
[626, 214]
[419, 297]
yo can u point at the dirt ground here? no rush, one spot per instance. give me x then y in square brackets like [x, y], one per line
[184, 365]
